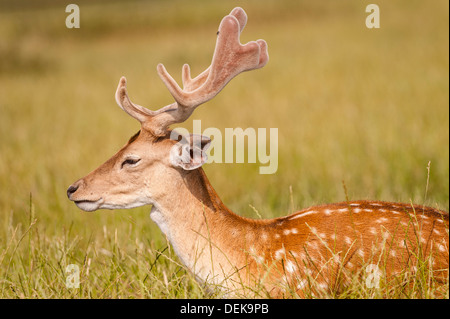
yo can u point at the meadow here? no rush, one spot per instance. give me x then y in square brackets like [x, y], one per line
[361, 114]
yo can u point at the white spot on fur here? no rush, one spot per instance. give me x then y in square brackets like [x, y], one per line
[290, 267]
[312, 245]
[259, 259]
[280, 253]
[347, 239]
[309, 212]
[302, 284]
[289, 231]
[336, 258]
[264, 236]
[323, 286]
[328, 212]
[376, 204]
[361, 253]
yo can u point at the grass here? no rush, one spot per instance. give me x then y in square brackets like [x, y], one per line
[367, 108]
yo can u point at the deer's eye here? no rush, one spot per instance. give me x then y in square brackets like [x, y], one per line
[130, 162]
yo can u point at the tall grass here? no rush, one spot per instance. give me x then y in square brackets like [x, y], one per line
[365, 107]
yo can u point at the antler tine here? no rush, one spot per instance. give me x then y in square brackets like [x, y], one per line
[241, 16]
[140, 113]
[190, 84]
[230, 58]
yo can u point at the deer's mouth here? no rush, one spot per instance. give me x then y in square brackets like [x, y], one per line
[88, 205]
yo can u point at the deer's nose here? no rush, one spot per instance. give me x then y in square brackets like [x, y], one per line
[72, 189]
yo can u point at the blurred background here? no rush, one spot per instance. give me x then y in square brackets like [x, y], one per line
[360, 112]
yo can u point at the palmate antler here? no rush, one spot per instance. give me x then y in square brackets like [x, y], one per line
[230, 58]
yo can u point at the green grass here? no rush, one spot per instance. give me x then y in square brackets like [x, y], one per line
[364, 108]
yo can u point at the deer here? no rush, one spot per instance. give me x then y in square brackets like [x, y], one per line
[315, 248]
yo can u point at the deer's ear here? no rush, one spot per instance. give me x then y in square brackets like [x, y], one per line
[190, 152]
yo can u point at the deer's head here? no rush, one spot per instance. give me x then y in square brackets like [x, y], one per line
[156, 159]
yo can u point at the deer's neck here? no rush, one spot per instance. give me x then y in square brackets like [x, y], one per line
[208, 238]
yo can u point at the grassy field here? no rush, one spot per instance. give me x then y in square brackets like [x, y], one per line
[364, 108]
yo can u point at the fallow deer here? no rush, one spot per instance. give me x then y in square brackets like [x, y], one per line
[317, 247]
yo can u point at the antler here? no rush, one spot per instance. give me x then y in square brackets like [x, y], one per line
[230, 58]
